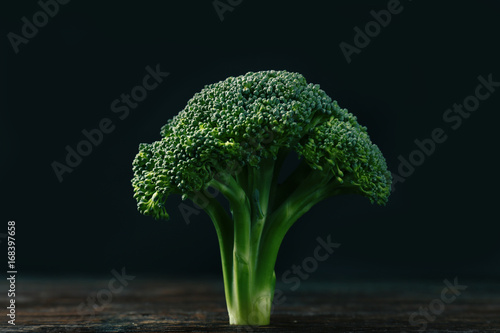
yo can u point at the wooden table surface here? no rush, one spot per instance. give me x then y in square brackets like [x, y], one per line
[167, 305]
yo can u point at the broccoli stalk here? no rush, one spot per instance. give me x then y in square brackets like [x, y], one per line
[233, 137]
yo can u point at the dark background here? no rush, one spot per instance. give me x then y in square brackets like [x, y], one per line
[440, 223]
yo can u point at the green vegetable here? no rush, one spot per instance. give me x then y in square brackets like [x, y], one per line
[233, 136]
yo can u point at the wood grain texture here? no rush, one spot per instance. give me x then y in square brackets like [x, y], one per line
[166, 305]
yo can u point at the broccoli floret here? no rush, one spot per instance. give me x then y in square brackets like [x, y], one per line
[233, 136]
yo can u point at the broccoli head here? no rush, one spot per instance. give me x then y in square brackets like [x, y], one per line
[233, 137]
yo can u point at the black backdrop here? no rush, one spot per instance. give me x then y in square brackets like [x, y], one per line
[441, 222]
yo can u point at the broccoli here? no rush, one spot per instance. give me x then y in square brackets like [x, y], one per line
[232, 138]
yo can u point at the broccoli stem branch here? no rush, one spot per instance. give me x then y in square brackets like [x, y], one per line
[242, 268]
[262, 180]
[224, 228]
[248, 296]
[258, 226]
[305, 194]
